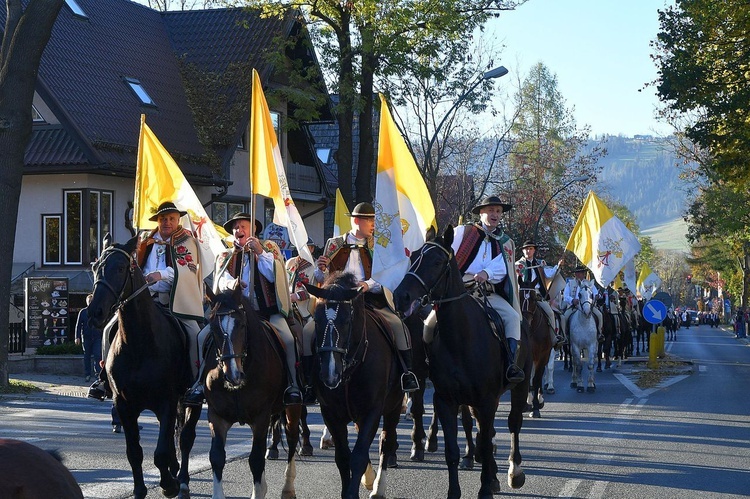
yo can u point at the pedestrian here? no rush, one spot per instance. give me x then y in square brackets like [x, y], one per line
[91, 339]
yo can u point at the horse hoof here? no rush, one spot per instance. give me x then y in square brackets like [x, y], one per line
[535, 414]
[467, 463]
[551, 391]
[184, 491]
[579, 389]
[573, 385]
[307, 450]
[599, 369]
[495, 486]
[172, 491]
[326, 444]
[516, 482]
[417, 455]
[392, 462]
[591, 389]
[272, 454]
[432, 446]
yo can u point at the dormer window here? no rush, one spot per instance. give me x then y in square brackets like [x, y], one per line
[140, 92]
[36, 116]
[76, 9]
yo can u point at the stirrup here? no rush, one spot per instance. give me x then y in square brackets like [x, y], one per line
[98, 391]
[292, 396]
[409, 382]
[515, 375]
[194, 397]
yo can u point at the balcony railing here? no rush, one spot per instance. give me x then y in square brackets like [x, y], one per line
[303, 178]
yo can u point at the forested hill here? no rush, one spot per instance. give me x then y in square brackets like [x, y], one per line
[641, 173]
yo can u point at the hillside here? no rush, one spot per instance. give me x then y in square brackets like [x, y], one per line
[669, 236]
[641, 173]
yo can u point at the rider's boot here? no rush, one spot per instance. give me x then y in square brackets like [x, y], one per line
[194, 396]
[292, 395]
[514, 373]
[409, 382]
[308, 394]
[100, 389]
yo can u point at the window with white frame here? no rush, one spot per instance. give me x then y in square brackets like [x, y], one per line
[86, 219]
[51, 239]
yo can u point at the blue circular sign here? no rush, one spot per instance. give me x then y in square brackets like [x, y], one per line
[654, 311]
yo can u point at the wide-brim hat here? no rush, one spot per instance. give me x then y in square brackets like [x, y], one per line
[166, 207]
[581, 268]
[529, 244]
[491, 201]
[228, 225]
[363, 210]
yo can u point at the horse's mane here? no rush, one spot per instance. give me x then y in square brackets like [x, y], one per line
[338, 282]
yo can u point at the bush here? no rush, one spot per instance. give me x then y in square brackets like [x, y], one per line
[63, 349]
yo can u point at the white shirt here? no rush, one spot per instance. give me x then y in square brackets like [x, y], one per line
[157, 262]
[265, 267]
[354, 266]
[494, 267]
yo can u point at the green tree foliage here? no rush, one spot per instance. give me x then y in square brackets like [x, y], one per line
[361, 41]
[703, 58]
[546, 154]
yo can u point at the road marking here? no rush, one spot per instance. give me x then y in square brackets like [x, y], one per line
[637, 392]
[569, 488]
[702, 368]
[597, 490]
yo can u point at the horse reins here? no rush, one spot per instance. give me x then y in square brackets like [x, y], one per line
[119, 301]
[220, 358]
[427, 297]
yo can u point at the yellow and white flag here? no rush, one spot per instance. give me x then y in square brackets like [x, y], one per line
[403, 206]
[159, 179]
[601, 241]
[342, 223]
[267, 175]
[648, 282]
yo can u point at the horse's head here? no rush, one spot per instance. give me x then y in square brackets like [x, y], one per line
[428, 274]
[529, 299]
[334, 317]
[116, 275]
[586, 297]
[231, 316]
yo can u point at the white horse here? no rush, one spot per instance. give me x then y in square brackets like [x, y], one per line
[583, 338]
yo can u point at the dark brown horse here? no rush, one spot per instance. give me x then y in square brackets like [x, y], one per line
[541, 347]
[467, 362]
[30, 472]
[245, 383]
[357, 380]
[147, 364]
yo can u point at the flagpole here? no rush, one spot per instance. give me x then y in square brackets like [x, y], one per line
[137, 196]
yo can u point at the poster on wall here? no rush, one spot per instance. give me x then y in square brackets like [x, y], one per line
[47, 307]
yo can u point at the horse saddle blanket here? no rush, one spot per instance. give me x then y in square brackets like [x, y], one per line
[176, 323]
[383, 325]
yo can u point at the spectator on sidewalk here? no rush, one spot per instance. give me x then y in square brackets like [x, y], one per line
[91, 339]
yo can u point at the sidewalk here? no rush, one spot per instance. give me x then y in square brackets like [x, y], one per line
[52, 385]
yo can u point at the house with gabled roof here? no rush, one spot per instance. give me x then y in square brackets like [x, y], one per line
[108, 62]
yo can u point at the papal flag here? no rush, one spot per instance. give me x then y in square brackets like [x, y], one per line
[601, 241]
[403, 206]
[648, 282]
[267, 175]
[342, 223]
[159, 179]
[629, 277]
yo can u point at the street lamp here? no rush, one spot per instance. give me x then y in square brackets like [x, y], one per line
[579, 178]
[497, 72]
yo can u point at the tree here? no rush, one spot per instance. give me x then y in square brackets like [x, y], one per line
[702, 51]
[27, 31]
[362, 41]
[547, 152]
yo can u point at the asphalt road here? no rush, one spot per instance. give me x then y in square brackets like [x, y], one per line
[687, 437]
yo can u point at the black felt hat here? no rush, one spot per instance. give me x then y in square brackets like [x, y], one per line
[529, 244]
[166, 207]
[581, 268]
[229, 224]
[491, 201]
[363, 210]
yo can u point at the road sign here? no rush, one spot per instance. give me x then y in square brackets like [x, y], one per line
[654, 311]
[663, 297]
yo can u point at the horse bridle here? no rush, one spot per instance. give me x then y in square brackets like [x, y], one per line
[119, 301]
[221, 358]
[427, 297]
[581, 303]
[330, 326]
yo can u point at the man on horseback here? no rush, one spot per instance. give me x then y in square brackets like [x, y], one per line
[535, 274]
[352, 252]
[570, 297]
[269, 292]
[484, 254]
[170, 258]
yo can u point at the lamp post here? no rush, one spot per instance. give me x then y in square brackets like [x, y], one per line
[572, 181]
[497, 72]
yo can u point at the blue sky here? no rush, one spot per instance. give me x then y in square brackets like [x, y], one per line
[599, 50]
